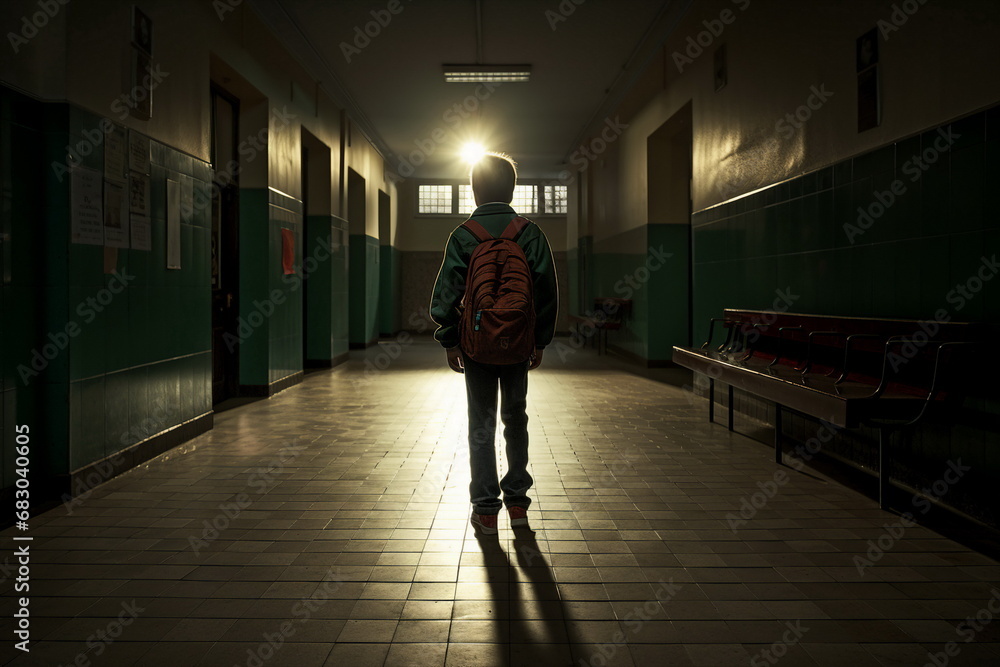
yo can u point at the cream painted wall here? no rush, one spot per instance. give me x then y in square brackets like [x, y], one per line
[934, 68]
[393, 240]
[34, 49]
[98, 67]
[186, 33]
[573, 214]
[362, 157]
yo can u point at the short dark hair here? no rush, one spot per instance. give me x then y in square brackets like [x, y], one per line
[493, 178]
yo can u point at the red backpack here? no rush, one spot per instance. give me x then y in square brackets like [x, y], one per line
[498, 309]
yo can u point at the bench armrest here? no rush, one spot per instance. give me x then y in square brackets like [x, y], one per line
[711, 328]
[937, 381]
[809, 346]
[886, 359]
[847, 352]
[748, 352]
[781, 337]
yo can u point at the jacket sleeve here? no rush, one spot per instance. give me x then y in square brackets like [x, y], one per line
[546, 296]
[449, 288]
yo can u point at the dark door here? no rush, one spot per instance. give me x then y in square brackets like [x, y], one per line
[225, 247]
[305, 250]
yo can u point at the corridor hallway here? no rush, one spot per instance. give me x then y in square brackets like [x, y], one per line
[328, 525]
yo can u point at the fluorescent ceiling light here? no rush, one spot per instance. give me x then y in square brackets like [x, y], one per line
[486, 73]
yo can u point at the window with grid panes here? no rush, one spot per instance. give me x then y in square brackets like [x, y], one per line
[434, 199]
[441, 199]
[525, 199]
[466, 202]
[555, 199]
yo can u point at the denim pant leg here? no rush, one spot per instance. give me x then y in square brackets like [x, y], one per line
[481, 383]
[513, 404]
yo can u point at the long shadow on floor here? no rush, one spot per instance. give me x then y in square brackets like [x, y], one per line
[535, 628]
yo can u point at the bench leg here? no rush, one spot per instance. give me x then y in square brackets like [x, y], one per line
[883, 468]
[730, 407]
[711, 400]
[777, 433]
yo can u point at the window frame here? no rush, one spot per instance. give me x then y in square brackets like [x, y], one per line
[456, 199]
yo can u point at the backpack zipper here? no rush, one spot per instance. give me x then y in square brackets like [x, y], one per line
[479, 316]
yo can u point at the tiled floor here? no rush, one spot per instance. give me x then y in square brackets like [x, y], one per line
[329, 526]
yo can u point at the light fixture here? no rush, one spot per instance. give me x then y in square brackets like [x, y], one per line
[473, 152]
[486, 73]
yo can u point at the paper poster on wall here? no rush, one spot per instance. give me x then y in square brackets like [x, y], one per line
[138, 194]
[139, 230]
[115, 155]
[138, 152]
[173, 224]
[86, 206]
[116, 221]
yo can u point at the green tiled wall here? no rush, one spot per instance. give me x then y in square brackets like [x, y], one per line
[285, 338]
[803, 237]
[905, 264]
[668, 290]
[273, 351]
[340, 291]
[390, 301]
[141, 363]
[326, 289]
[364, 289]
[255, 247]
[620, 267]
[609, 270]
[22, 233]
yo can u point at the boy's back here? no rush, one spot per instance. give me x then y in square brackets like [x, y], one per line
[451, 280]
[493, 185]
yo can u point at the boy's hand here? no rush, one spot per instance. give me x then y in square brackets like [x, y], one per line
[455, 359]
[536, 360]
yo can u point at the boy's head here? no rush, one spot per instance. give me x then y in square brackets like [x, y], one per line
[493, 179]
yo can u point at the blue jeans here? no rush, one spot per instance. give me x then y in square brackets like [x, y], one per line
[481, 381]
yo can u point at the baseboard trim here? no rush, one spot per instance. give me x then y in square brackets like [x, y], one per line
[272, 388]
[325, 364]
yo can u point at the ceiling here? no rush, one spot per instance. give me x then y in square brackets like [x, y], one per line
[390, 80]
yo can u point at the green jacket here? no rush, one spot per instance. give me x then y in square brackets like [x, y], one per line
[450, 285]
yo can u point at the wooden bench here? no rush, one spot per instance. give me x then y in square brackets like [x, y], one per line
[847, 371]
[608, 314]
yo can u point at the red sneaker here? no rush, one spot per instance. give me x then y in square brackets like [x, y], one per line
[486, 523]
[518, 516]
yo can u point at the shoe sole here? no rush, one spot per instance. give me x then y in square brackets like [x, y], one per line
[519, 522]
[485, 530]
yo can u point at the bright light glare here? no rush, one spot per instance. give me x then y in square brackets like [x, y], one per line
[473, 152]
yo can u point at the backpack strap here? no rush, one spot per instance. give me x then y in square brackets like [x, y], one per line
[477, 230]
[515, 227]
